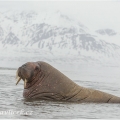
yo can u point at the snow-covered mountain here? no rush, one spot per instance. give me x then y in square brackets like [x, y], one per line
[54, 34]
[109, 32]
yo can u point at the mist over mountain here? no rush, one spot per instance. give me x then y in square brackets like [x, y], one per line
[53, 36]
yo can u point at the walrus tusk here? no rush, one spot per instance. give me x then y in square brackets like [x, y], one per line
[18, 80]
[25, 83]
[17, 74]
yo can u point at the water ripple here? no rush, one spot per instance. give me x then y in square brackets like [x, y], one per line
[11, 99]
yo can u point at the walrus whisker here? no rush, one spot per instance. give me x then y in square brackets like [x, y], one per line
[18, 80]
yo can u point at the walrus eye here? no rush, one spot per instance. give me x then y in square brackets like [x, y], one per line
[36, 68]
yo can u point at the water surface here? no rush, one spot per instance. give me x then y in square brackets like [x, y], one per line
[11, 99]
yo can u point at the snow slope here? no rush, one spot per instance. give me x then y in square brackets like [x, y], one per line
[53, 36]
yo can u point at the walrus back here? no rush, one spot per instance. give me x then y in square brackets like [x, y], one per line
[69, 90]
[60, 83]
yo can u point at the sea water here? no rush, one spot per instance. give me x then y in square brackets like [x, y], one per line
[104, 78]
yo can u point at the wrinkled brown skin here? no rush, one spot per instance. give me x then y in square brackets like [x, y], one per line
[46, 82]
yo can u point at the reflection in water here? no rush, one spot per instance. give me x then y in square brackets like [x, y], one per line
[11, 99]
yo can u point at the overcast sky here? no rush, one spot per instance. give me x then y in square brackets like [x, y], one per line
[93, 14]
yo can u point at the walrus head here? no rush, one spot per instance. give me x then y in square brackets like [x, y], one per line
[28, 73]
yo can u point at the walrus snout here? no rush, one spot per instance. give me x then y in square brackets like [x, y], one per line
[19, 77]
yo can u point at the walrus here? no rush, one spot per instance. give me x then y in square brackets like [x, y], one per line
[43, 81]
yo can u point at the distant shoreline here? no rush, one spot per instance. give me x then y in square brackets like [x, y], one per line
[5, 68]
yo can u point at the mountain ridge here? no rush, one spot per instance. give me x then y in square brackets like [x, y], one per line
[23, 30]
